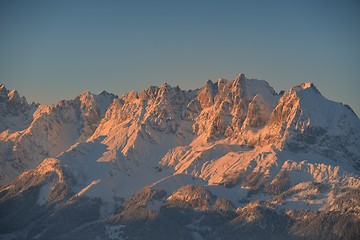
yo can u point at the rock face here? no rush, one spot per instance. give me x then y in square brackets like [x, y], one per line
[46, 131]
[15, 112]
[233, 159]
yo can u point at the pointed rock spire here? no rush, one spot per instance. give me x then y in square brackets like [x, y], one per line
[304, 86]
[241, 77]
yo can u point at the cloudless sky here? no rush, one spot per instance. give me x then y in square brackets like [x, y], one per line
[50, 50]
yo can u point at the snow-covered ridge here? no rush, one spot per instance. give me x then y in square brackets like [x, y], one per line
[16, 113]
[45, 130]
[237, 147]
[246, 111]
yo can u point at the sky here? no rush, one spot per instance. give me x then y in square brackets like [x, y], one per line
[53, 50]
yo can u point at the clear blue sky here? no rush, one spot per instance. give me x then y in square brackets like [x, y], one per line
[51, 50]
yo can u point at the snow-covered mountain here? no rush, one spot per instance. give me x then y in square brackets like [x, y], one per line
[31, 133]
[233, 158]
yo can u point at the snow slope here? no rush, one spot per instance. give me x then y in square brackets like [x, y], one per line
[238, 142]
[47, 130]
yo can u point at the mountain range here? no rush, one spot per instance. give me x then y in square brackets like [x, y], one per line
[231, 160]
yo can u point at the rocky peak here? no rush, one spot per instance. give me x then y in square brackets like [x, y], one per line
[3, 91]
[172, 93]
[130, 97]
[241, 77]
[207, 94]
[164, 87]
[222, 84]
[15, 97]
[305, 86]
[229, 103]
[228, 148]
[192, 196]
[165, 90]
[86, 94]
[11, 104]
[86, 99]
[105, 93]
[152, 90]
[11, 96]
[99, 102]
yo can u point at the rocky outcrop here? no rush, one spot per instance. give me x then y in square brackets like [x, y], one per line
[50, 131]
[231, 159]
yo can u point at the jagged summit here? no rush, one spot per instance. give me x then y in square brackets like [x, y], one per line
[165, 86]
[3, 90]
[229, 155]
[104, 92]
[15, 112]
[304, 86]
[52, 129]
[11, 96]
[88, 94]
[85, 93]
[240, 77]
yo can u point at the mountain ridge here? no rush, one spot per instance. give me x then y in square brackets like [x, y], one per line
[235, 148]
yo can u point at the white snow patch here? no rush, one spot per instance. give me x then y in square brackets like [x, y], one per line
[154, 205]
[114, 232]
[44, 193]
[196, 236]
